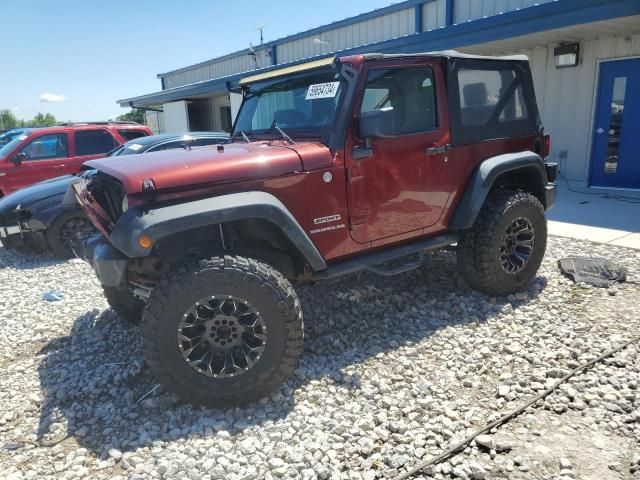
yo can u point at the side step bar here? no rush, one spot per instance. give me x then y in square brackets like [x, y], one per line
[372, 261]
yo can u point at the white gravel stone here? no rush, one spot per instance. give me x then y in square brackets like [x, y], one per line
[393, 372]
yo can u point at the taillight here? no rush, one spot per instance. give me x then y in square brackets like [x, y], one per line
[547, 146]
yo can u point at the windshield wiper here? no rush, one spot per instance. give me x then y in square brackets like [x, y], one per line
[274, 126]
[244, 136]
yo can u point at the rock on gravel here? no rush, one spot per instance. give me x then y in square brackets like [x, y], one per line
[394, 371]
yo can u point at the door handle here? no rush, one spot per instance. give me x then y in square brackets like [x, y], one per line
[432, 151]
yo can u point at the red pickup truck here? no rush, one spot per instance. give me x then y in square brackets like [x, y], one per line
[41, 153]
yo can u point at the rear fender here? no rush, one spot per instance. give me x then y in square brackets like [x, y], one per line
[483, 179]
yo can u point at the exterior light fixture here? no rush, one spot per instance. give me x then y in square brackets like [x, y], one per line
[567, 55]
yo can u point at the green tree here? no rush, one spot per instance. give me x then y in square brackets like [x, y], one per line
[44, 120]
[134, 115]
[8, 120]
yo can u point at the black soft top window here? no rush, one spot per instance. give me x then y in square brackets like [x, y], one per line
[490, 100]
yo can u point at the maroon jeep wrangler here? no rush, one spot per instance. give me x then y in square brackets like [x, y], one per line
[335, 166]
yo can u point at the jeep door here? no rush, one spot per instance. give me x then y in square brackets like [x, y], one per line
[40, 158]
[399, 177]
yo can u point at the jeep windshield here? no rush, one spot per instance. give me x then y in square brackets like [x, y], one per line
[301, 105]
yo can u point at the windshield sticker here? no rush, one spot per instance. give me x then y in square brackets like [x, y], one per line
[134, 146]
[322, 90]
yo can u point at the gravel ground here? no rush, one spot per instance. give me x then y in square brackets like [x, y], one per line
[394, 371]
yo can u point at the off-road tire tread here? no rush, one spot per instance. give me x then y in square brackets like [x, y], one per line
[236, 269]
[476, 246]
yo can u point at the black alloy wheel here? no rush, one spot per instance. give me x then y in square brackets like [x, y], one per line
[222, 336]
[517, 245]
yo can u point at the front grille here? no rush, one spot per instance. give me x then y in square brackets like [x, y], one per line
[107, 192]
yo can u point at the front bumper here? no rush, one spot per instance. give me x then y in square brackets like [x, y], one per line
[22, 235]
[10, 231]
[107, 261]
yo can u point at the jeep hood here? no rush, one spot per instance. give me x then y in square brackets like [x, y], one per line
[222, 164]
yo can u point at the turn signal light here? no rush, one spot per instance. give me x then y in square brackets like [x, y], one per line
[145, 241]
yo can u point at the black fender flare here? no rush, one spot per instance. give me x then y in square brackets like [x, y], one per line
[483, 178]
[162, 221]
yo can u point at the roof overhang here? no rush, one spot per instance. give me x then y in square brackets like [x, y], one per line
[620, 27]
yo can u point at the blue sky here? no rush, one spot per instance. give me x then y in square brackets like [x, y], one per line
[75, 58]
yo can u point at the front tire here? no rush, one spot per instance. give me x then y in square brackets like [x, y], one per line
[226, 332]
[503, 250]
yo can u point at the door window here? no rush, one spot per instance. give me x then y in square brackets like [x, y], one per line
[406, 95]
[53, 145]
[615, 125]
[93, 142]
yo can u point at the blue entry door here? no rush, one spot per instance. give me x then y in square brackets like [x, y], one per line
[615, 157]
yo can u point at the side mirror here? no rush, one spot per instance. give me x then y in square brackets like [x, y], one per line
[19, 158]
[376, 124]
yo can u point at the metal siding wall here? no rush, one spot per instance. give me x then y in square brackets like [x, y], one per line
[566, 99]
[466, 10]
[376, 29]
[220, 68]
[434, 15]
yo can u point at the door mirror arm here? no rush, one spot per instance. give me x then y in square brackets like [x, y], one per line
[19, 158]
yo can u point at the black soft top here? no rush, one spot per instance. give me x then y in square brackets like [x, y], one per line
[445, 54]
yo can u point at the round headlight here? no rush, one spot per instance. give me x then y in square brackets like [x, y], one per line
[125, 204]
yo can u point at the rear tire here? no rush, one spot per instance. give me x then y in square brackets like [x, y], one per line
[226, 332]
[63, 229]
[503, 250]
[126, 306]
